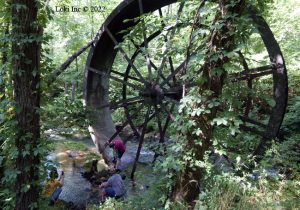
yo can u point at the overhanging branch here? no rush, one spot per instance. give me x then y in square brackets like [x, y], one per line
[67, 63]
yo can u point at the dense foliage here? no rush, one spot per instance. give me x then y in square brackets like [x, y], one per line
[226, 181]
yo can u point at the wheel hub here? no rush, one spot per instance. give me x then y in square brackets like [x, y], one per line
[153, 94]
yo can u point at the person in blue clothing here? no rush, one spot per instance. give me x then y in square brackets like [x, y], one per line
[53, 186]
[114, 187]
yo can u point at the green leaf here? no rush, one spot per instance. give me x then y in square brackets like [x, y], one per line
[220, 121]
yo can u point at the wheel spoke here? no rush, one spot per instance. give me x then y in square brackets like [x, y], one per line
[145, 41]
[168, 118]
[122, 103]
[134, 128]
[167, 41]
[102, 72]
[150, 118]
[141, 140]
[135, 87]
[161, 16]
[253, 73]
[123, 75]
[152, 36]
[161, 132]
[248, 102]
[143, 44]
[170, 59]
[180, 67]
[176, 71]
[253, 130]
[153, 65]
[244, 62]
[125, 56]
[254, 122]
[151, 62]
[159, 71]
[172, 68]
[113, 107]
[170, 115]
[125, 123]
[174, 93]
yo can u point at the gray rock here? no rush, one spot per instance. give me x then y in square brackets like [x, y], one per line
[146, 156]
[270, 173]
[221, 163]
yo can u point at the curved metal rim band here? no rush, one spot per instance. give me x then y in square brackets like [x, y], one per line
[101, 57]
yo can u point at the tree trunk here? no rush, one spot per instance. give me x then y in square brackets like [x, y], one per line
[66, 88]
[26, 78]
[187, 186]
[73, 90]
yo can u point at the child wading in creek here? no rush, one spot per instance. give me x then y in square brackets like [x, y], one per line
[119, 149]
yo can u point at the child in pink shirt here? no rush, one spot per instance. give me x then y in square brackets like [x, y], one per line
[119, 149]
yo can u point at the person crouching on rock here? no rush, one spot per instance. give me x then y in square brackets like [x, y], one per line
[114, 187]
[53, 186]
[119, 149]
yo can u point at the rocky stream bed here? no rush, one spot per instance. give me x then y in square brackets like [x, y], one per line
[79, 192]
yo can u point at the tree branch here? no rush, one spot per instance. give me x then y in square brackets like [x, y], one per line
[67, 63]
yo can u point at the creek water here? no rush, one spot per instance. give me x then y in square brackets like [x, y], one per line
[76, 189]
[79, 191]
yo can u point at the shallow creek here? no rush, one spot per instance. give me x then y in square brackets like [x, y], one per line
[79, 191]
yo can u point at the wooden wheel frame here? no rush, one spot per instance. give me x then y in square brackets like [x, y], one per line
[155, 90]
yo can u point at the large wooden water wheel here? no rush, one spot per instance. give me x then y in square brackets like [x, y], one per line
[144, 61]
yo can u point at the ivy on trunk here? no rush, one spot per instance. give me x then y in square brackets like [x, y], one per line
[187, 185]
[26, 80]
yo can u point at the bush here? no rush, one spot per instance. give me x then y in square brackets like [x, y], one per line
[231, 192]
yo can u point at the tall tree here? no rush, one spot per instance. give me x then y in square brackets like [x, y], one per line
[26, 78]
[219, 41]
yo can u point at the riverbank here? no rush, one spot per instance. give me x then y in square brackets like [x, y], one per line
[74, 155]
